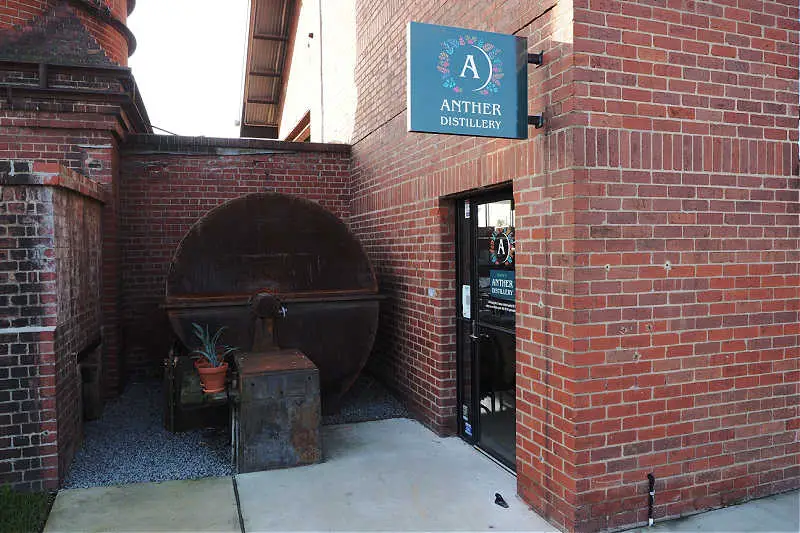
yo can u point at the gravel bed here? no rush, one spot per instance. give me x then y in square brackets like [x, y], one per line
[129, 444]
[367, 400]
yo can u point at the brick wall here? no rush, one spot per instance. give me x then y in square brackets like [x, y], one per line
[64, 137]
[111, 39]
[48, 314]
[168, 183]
[687, 286]
[51, 232]
[78, 234]
[19, 17]
[28, 447]
[657, 247]
[408, 230]
[60, 138]
[83, 134]
[21, 12]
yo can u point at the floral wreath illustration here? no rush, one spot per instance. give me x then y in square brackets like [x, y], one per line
[508, 234]
[492, 52]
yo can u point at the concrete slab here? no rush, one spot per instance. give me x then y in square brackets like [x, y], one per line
[774, 513]
[389, 475]
[191, 505]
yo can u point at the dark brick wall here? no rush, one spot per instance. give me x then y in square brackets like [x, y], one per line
[63, 31]
[57, 165]
[28, 445]
[78, 236]
[162, 194]
[16, 13]
[50, 312]
[90, 152]
[28, 428]
[29, 266]
[83, 135]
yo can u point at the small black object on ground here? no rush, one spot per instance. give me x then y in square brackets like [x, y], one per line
[498, 499]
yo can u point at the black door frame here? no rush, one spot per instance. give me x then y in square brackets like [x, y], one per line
[469, 225]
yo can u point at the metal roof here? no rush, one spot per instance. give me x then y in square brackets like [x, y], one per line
[269, 47]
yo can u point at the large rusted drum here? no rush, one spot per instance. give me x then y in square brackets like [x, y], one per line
[295, 251]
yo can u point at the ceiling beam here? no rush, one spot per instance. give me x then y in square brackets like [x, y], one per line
[265, 73]
[261, 101]
[270, 37]
[261, 132]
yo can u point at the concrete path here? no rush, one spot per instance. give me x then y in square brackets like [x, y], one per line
[773, 514]
[390, 475]
[190, 505]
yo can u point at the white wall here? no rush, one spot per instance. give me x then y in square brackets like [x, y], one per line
[329, 95]
[339, 65]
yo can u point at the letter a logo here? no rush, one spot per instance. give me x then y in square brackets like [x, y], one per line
[470, 64]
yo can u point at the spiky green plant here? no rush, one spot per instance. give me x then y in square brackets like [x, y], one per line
[209, 344]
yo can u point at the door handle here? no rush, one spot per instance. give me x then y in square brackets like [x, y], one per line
[482, 336]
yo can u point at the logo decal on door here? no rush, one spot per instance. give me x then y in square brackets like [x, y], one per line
[502, 246]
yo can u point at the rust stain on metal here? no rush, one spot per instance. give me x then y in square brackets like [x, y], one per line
[277, 361]
[278, 414]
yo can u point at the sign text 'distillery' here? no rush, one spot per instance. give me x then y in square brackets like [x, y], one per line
[466, 82]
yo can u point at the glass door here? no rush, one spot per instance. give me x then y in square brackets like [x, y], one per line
[486, 324]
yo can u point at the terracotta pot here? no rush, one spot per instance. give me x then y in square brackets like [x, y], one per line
[201, 362]
[213, 377]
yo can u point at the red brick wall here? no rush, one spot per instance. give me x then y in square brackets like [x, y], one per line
[687, 286]
[111, 39]
[21, 12]
[671, 137]
[408, 230]
[163, 194]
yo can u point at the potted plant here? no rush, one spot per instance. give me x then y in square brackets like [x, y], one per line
[211, 363]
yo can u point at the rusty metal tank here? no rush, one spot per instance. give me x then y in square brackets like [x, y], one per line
[298, 253]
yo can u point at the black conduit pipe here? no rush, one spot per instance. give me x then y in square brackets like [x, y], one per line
[651, 498]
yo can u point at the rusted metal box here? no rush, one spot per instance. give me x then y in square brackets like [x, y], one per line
[277, 416]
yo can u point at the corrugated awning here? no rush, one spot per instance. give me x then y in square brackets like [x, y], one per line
[269, 47]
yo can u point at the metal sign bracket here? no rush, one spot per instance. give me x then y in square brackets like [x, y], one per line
[537, 121]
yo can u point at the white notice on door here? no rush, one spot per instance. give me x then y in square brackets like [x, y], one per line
[466, 301]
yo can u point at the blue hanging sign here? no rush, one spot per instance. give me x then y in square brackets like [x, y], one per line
[467, 82]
